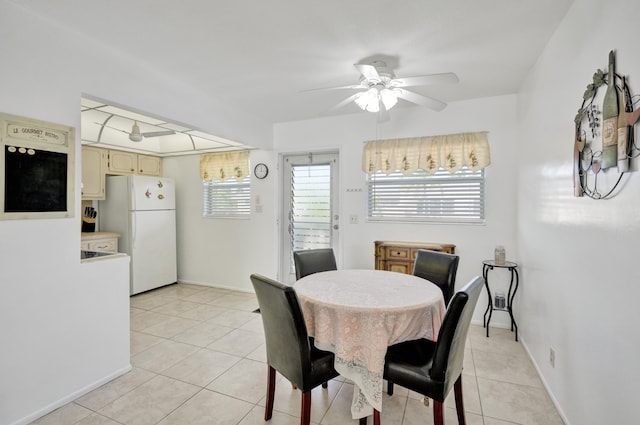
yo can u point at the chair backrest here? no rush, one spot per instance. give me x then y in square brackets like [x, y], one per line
[449, 352]
[286, 339]
[310, 261]
[439, 268]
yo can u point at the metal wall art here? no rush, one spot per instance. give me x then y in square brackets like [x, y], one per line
[604, 134]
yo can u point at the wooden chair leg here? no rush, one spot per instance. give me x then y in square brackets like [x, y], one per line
[271, 389]
[457, 389]
[305, 414]
[438, 419]
[389, 387]
[376, 417]
[325, 384]
[363, 421]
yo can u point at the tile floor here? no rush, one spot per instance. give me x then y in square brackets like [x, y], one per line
[198, 358]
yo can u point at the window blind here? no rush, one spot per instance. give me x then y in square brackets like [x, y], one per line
[230, 198]
[419, 196]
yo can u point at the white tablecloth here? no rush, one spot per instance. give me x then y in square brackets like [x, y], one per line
[357, 314]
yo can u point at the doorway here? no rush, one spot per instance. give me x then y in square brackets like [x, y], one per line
[310, 206]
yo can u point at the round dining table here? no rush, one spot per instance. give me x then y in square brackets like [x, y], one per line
[357, 314]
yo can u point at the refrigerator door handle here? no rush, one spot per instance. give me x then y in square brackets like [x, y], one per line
[133, 231]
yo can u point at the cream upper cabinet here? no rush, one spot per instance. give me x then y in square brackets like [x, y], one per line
[124, 163]
[121, 162]
[149, 165]
[93, 173]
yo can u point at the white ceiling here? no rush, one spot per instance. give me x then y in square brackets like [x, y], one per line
[260, 56]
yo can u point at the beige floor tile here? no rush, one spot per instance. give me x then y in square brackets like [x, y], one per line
[163, 355]
[141, 341]
[171, 327]
[246, 380]
[68, 414]
[209, 408]
[175, 307]
[111, 391]
[148, 301]
[507, 368]
[232, 318]
[259, 354]
[180, 291]
[238, 342]
[501, 341]
[147, 319]
[517, 403]
[470, 396]
[201, 367]
[202, 334]
[256, 417]
[201, 312]
[288, 400]
[339, 412]
[419, 414]
[254, 325]
[97, 419]
[150, 402]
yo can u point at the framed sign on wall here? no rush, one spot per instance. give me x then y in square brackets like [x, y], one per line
[38, 163]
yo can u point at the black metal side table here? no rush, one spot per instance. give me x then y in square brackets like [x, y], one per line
[513, 268]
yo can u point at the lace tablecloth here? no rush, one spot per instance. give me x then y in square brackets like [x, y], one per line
[357, 314]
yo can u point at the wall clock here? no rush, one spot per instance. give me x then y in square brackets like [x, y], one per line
[261, 170]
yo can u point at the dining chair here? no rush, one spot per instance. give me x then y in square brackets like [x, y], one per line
[289, 348]
[432, 368]
[438, 268]
[310, 261]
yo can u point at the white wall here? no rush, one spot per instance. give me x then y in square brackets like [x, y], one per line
[581, 292]
[65, 325]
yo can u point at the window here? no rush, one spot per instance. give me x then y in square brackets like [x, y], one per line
[443, 196]
[227, 199]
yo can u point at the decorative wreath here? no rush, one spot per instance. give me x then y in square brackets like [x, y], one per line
[587, 161]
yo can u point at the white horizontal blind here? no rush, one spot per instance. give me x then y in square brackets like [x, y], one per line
[310, 206]
[442, 196]
[227, 199]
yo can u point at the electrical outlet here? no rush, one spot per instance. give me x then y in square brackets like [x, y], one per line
[552, 357]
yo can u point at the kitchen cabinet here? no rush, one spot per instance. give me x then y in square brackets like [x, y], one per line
[125, 163]
[94, 162]
[99, 241]
[149, 165]
[400, 256]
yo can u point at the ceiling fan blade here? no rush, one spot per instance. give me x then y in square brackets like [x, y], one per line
[369, 72]
[344, 103]
[112, 128]
[352, 87]
[419, 99]
[158, 133]
[426, 80]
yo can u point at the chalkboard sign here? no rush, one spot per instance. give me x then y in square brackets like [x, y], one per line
[37, 161]
[35, 180]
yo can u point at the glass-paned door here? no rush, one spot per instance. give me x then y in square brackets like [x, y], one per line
[310, 208]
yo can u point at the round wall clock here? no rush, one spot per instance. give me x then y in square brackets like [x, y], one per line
[261, 171]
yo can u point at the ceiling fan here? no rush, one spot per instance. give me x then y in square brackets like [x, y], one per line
[136, 136]
[380, 89]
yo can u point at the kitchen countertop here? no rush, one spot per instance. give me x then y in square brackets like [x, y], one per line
[98, 235]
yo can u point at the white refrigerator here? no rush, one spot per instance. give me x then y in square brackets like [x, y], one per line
[142, 210]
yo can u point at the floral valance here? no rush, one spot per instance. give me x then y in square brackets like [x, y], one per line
[451, 152]
[224, 165]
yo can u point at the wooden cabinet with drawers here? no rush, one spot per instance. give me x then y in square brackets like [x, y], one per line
[100, 241]
[400, 256]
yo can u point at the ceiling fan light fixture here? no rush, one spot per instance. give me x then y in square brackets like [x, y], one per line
[135, 135]
[389, 98]
[369, 100]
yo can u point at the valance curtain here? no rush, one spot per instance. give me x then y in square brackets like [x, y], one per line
[224, 165]
[451, 152]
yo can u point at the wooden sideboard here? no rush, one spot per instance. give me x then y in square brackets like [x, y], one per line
[400, 256]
